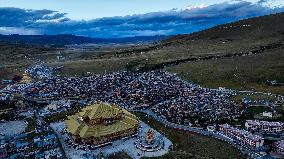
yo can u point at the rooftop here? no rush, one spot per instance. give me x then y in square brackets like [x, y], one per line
[264, 123]
[243, 133]
[100, 120]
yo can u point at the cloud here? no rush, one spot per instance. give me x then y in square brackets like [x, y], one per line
[16, 17]
[190, 7]
[20, 31]
[175, 21]
[271, 3]
[262, 1]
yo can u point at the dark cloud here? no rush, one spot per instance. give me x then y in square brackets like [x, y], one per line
[156, 23]
[15, 17]
[262, 1]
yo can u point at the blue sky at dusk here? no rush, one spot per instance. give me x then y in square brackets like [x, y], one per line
[123, 18]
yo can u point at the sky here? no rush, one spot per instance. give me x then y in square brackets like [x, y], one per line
[90, 9]
[124, 18]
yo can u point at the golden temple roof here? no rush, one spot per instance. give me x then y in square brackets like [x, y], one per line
[97, 111]
[107, 119]
[26, 78]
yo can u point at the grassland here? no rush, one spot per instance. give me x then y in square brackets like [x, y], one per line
[14, 58]
[191, 145]
[238, 98]
[244, 72]
[77, 68]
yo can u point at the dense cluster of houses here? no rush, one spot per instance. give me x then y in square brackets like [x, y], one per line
[36, 144]
[279, 146]
[5, 96]
[140, 91]
[17, 88]
[55, 107]
[40, 71]
[242, 136]
[264, 126]
[206, 105]
[168, 96]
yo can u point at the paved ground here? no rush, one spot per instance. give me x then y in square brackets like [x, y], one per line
[117, 146]
[12, 128]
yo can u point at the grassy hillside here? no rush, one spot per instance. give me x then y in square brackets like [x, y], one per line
[14, 58]
[242, 36]
[243, 72]
[254, 35]
[263, 36]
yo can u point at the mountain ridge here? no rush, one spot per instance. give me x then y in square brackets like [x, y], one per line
[69, 39]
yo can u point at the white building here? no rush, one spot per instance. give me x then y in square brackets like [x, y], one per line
[267, 114]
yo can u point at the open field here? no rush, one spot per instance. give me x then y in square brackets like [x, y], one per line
[191, 145]
[14, 58]
[238, 98]
[13, 53]
[77, 68]
[244, 72]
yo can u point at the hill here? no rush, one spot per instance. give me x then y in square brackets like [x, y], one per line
[253, 35]
[256, 47]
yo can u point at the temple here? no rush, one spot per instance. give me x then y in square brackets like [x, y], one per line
[26, 78]
[101, 123]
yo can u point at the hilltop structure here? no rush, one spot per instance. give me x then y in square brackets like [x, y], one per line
[101, 123]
